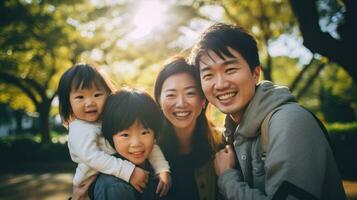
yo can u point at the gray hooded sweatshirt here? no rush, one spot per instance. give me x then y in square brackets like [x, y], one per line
[299, 163]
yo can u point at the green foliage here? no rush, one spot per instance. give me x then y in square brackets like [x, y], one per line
[338, 95]
[342, 128]
[285, 70]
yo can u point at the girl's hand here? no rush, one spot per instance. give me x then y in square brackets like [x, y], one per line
[139, 179]
[164, 183]
[81, 192]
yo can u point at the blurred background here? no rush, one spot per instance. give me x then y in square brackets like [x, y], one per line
[308, 46]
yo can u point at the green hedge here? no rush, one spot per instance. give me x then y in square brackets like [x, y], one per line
[342, 128]
[28, 149]
[343, 138]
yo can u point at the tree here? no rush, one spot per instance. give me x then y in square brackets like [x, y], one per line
[37, 45]
[341, 49]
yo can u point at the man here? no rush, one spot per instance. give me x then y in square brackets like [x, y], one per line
[299, 163]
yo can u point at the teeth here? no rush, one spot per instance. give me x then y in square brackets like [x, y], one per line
[226, 96]
[137, 153]
[181, 114]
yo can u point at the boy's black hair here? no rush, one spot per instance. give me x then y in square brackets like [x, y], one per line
[79, 76]
[219, 37]
[124, 107]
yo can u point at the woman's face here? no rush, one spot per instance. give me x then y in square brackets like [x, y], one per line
[180, 101]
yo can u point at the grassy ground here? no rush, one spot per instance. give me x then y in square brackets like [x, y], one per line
[46, 182]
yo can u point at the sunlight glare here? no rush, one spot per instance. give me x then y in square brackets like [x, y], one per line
[149, 16]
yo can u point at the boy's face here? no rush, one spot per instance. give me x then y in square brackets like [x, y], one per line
[228, 83]
[134, 143]
[87, 104]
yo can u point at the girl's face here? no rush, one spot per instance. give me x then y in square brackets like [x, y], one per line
[180, 101]
[87, 104]
[134, 143]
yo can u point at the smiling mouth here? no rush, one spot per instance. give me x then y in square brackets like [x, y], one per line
[226, 96]
[137, 154]
[91, 112]
[181, 113]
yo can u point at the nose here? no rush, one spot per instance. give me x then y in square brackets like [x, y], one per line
[135, 141]
[181, 101]
[220, 82]
[89, 102]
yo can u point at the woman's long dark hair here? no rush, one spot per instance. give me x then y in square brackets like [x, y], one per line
[203, 144]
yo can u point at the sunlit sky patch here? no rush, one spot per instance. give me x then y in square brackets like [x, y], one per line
[149, 15]
[287, 45]
[213, 12]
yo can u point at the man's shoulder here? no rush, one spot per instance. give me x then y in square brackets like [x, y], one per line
[293, 119]
[291, 111]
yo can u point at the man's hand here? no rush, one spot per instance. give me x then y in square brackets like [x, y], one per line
[81, 192]
[225, 159]
[164, 183]
[139, 179]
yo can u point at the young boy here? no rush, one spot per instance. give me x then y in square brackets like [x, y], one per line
[130, 121]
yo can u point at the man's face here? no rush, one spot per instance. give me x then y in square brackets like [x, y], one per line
[228, 83]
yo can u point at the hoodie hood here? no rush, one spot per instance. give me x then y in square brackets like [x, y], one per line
[267, 97]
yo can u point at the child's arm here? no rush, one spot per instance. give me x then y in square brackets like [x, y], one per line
[158, 161]
[83, 144]
[162, 170]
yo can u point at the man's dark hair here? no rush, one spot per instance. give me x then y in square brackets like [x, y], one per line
[219, 37]
[124, 107]
[79, 76]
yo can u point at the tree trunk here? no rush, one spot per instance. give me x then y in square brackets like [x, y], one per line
[310, 81]
[298, 78]
[342, 50]
[44, 111]
[268, 68]
[18, 114]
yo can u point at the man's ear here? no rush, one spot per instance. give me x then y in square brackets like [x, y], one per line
[256, 73]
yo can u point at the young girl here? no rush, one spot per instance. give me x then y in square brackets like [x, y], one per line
[130, 121]
[82, 91]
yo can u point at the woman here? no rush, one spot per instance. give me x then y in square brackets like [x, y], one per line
[186, 139]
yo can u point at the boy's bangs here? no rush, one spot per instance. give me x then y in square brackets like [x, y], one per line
[133, 111]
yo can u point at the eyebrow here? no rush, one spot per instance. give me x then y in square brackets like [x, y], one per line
[186, 88]
[224, 63]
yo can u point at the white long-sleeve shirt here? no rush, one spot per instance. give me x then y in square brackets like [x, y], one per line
[92, 152]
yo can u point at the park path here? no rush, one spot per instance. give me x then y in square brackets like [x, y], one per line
[45, 186]
[57, 186]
